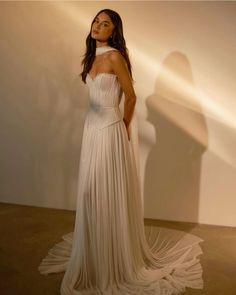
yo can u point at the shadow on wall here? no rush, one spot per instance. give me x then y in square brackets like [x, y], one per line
[173, 167]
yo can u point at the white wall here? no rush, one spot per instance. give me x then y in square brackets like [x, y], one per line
[183, 57]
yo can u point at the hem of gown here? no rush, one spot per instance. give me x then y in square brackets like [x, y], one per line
[180, 267]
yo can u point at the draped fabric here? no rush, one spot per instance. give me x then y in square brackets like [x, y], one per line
[110, 251]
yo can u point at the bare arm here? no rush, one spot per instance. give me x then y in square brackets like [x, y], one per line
[121, 70]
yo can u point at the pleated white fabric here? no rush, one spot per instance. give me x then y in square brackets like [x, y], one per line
[110, 251]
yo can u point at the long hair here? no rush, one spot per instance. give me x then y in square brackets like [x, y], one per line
[117, 41]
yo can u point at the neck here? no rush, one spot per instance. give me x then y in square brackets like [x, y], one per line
[101, 44]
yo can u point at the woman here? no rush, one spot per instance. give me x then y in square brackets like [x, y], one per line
[110, 251]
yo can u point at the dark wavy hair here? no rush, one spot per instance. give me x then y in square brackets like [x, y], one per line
[117, 41]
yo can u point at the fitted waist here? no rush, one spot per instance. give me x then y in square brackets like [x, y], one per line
[103, 116]
[97, 106]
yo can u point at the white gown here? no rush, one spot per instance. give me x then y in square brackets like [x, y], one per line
[110, 251]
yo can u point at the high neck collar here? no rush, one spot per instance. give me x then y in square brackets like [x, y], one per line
[102, 49]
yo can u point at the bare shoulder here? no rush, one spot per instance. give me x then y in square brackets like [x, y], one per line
[115, 54]
[116, 57]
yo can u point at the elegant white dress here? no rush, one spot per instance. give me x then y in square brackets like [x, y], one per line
[110, 251]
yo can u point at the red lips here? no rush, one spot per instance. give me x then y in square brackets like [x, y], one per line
[95, 31]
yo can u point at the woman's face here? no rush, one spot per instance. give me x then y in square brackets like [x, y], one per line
[102, 27]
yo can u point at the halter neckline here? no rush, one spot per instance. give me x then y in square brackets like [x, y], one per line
[102, 49]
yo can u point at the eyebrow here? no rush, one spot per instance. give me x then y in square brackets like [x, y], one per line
[105, 21]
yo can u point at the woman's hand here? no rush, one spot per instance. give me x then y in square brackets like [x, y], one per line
[127, 128]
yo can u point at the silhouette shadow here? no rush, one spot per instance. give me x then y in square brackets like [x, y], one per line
[173, 167]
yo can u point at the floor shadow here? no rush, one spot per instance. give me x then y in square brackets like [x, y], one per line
[173, 167]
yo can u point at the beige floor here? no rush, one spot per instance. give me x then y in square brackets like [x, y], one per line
[26, 234]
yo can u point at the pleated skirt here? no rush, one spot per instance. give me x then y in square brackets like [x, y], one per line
[110, 251]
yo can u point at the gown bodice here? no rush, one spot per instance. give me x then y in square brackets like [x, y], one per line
[105, 95]
[104, 90]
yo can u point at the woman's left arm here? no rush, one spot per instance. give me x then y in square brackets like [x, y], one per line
[120, 69]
